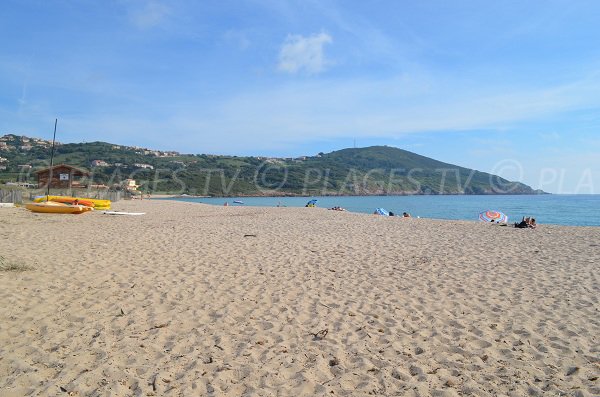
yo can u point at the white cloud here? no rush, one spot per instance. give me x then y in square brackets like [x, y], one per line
[305, 111]
[23, 99]
[388, 108]
[152, 14]
[300, 53]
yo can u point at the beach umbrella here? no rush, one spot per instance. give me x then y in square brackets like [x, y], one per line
[493, 216]
[381, 211]
[312, 203]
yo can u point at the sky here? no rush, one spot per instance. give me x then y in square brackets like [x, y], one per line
[510, 87]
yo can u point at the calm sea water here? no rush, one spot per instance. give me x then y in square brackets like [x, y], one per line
[576, 210]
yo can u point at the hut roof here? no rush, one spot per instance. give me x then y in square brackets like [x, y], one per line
[79, 170]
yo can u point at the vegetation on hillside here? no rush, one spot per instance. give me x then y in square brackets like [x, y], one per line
[373, 170]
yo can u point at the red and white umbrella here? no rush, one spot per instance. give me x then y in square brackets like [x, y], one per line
[493, 216]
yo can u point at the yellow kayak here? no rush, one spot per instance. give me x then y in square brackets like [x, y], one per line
[98, 204]
[51, 207]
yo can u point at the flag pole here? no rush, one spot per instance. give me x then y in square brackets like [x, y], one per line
[51, 161]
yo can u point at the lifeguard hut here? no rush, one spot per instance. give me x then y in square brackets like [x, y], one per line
[62, 176]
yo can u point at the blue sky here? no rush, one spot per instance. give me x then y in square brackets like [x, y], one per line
[508, 87]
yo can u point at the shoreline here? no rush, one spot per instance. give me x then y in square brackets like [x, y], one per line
[186, 199]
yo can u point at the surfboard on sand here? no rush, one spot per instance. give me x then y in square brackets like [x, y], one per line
[122, 213]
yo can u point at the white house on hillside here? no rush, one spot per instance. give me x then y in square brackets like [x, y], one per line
[148, 166]
[100, 163]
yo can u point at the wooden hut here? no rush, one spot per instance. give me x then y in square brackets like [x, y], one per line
[62, 176]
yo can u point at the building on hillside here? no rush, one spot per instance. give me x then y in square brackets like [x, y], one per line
[129, 184]
[100, 163]
[148, 166]
[62, 176]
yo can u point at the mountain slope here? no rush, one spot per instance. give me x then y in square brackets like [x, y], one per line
[416, 174]
[364, 171]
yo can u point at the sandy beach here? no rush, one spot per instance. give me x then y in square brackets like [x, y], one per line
[198, 300]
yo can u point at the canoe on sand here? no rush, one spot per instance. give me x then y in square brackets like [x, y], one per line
[51, 207]
[98, 204]
[72, 201]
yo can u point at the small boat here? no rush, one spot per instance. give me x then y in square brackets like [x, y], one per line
[238, 202]
[98, 204]
[51, 207]
[73, 201]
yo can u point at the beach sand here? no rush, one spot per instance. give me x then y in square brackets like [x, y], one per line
[197, 300]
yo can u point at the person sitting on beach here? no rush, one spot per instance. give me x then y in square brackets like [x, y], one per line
[406, 215]
[392, 214]
[532, 223]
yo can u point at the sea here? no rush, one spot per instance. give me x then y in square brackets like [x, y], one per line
[570, 210]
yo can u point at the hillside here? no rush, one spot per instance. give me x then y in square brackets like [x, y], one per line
[375, 170]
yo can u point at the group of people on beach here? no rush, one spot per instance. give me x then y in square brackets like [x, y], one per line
[404, 214]
[526, 223]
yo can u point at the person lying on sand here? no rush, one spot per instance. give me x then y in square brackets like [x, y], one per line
[526, 223]
[523, 224]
